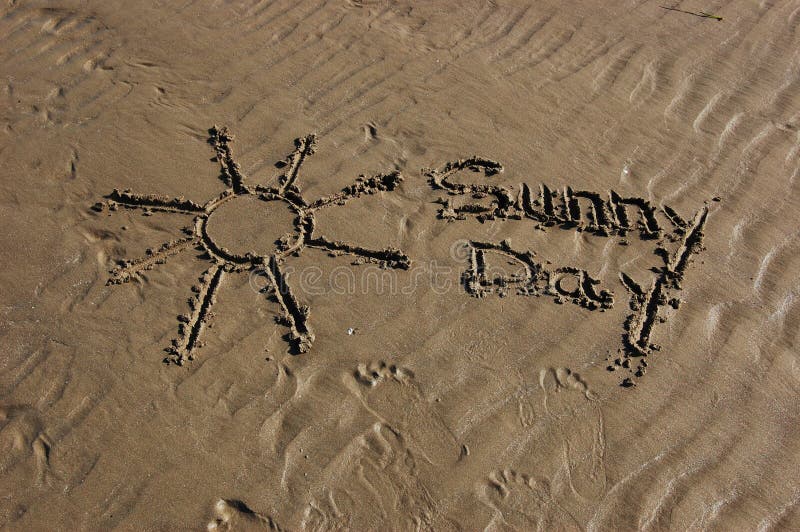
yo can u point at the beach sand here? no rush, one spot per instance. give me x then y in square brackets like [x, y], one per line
[390, 266]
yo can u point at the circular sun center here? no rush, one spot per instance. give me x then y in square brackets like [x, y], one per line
[247, 224]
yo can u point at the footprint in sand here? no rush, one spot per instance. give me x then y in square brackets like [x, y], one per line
[521, 503]
[571, 404]
[391, 395]
[22, 436]
[232, 514]
[376, 480]
[324, 514]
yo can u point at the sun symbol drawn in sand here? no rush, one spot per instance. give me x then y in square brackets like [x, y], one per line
[300, 233]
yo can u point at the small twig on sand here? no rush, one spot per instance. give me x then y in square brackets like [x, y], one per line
[701, 14]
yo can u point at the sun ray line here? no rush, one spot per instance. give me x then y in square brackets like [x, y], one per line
[224, 261]
[154, 202]
[232, 174]
[304, 147]
[192, 327]
[295, 315]
[391, 257]
[361, 186]
[128, 270]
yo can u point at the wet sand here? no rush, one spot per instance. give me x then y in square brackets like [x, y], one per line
[366, 266]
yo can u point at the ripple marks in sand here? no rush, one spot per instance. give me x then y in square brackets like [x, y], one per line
[73, 48]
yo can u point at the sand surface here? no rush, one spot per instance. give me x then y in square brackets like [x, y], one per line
[356, 265]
